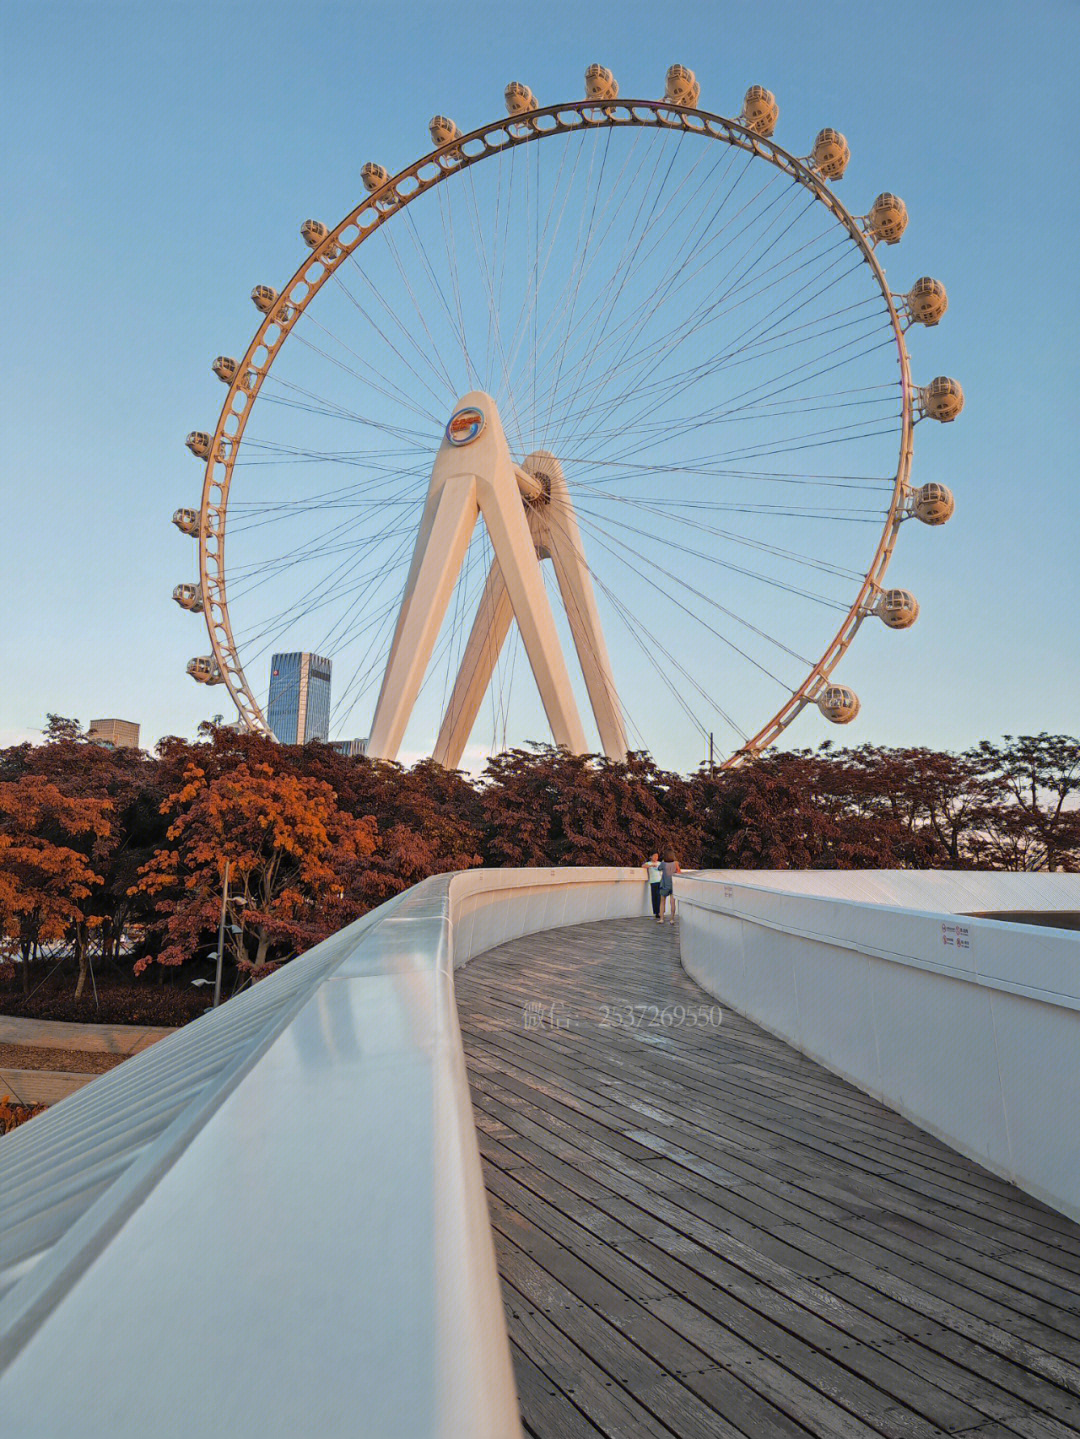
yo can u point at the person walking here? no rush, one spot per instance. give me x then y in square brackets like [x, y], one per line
[669, 867]
[652, 865]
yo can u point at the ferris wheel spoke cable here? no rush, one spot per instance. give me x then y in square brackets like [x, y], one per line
[601, 538]
[810, 561]
[367, 314]
[661, 292]
[438, 291]
[647, 353]
[526, 320]
[258, 517]
[255, 519]
[398, 562]
[553, 334]
[688, 470]
[409, 497]
[356, 375]
[636, 629]
[382, 384]
[750, 395]
[318, 404]
[494, 328]
[656, 397]
[328, 590]
[357, 616]
[727, 565]
[556, 522]
[388, 239]
[655, 347]
[578, 273]
[366, 669]
[639, 256]
[748, 507]
[632, 256]
[680, 334]
[588, 190]
[601, 305]
[602, 520]
[659, 430]
[271, 569]
[446, 210]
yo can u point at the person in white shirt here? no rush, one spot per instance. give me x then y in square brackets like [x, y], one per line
[652, 865]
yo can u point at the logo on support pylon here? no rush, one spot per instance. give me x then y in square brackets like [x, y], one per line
[465, 426]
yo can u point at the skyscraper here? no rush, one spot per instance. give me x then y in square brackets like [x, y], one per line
[299, 705]
[114, 733]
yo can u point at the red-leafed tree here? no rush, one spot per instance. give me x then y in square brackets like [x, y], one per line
[46, 873]
[550, 808]
[294, 860]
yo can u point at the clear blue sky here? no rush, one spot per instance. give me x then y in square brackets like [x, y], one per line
[159, 159]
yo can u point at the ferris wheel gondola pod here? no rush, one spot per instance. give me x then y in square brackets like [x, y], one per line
[389, 196]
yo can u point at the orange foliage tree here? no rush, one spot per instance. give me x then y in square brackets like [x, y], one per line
[45, 874]
[295, 862]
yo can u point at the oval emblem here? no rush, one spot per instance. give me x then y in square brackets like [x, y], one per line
[465, 426]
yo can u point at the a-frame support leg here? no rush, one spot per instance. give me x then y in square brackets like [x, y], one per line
[436, 565]
[560, 536]
[479, 476]
[486, 640]
[554, 529]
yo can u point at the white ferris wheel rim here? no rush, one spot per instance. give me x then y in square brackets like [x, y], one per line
[394, 196]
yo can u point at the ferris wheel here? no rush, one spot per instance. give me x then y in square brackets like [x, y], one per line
[630, 337]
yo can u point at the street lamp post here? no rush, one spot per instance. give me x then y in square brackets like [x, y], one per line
[221, 937]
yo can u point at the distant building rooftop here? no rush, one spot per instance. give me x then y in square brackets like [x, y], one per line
[114, 733]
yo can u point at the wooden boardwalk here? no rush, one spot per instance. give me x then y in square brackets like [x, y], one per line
[702, 1233]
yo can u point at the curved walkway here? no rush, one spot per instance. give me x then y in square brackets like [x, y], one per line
[702, 1233]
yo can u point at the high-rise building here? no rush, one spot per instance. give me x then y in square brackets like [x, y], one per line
[299, 705]
[114, 733]
[351, 748]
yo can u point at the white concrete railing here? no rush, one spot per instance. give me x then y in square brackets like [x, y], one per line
[178, 1262]
[969, 1027]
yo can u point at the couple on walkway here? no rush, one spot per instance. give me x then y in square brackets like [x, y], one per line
[661, 872]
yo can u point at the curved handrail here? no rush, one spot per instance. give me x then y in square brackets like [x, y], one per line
[276, 1216]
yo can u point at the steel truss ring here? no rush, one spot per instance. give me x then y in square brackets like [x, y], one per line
[374, 211]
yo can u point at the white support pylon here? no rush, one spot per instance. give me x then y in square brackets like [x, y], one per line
[472, 476]
[486, 639]
[559, 535]
[554, 528]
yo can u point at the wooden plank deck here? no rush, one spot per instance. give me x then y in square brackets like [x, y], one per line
[702, 1233]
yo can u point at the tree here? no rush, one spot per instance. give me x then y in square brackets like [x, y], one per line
[129, 781]
[45, 880]
[551, 807]
[294, 859]
[934, 797]
[775, 812]
[1031, 788]
[427, 817]
[58, 728]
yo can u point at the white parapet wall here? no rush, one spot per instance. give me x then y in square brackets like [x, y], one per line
[274, 1222]
[968, 1026]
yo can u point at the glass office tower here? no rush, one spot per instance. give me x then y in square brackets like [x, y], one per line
[298, 709]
